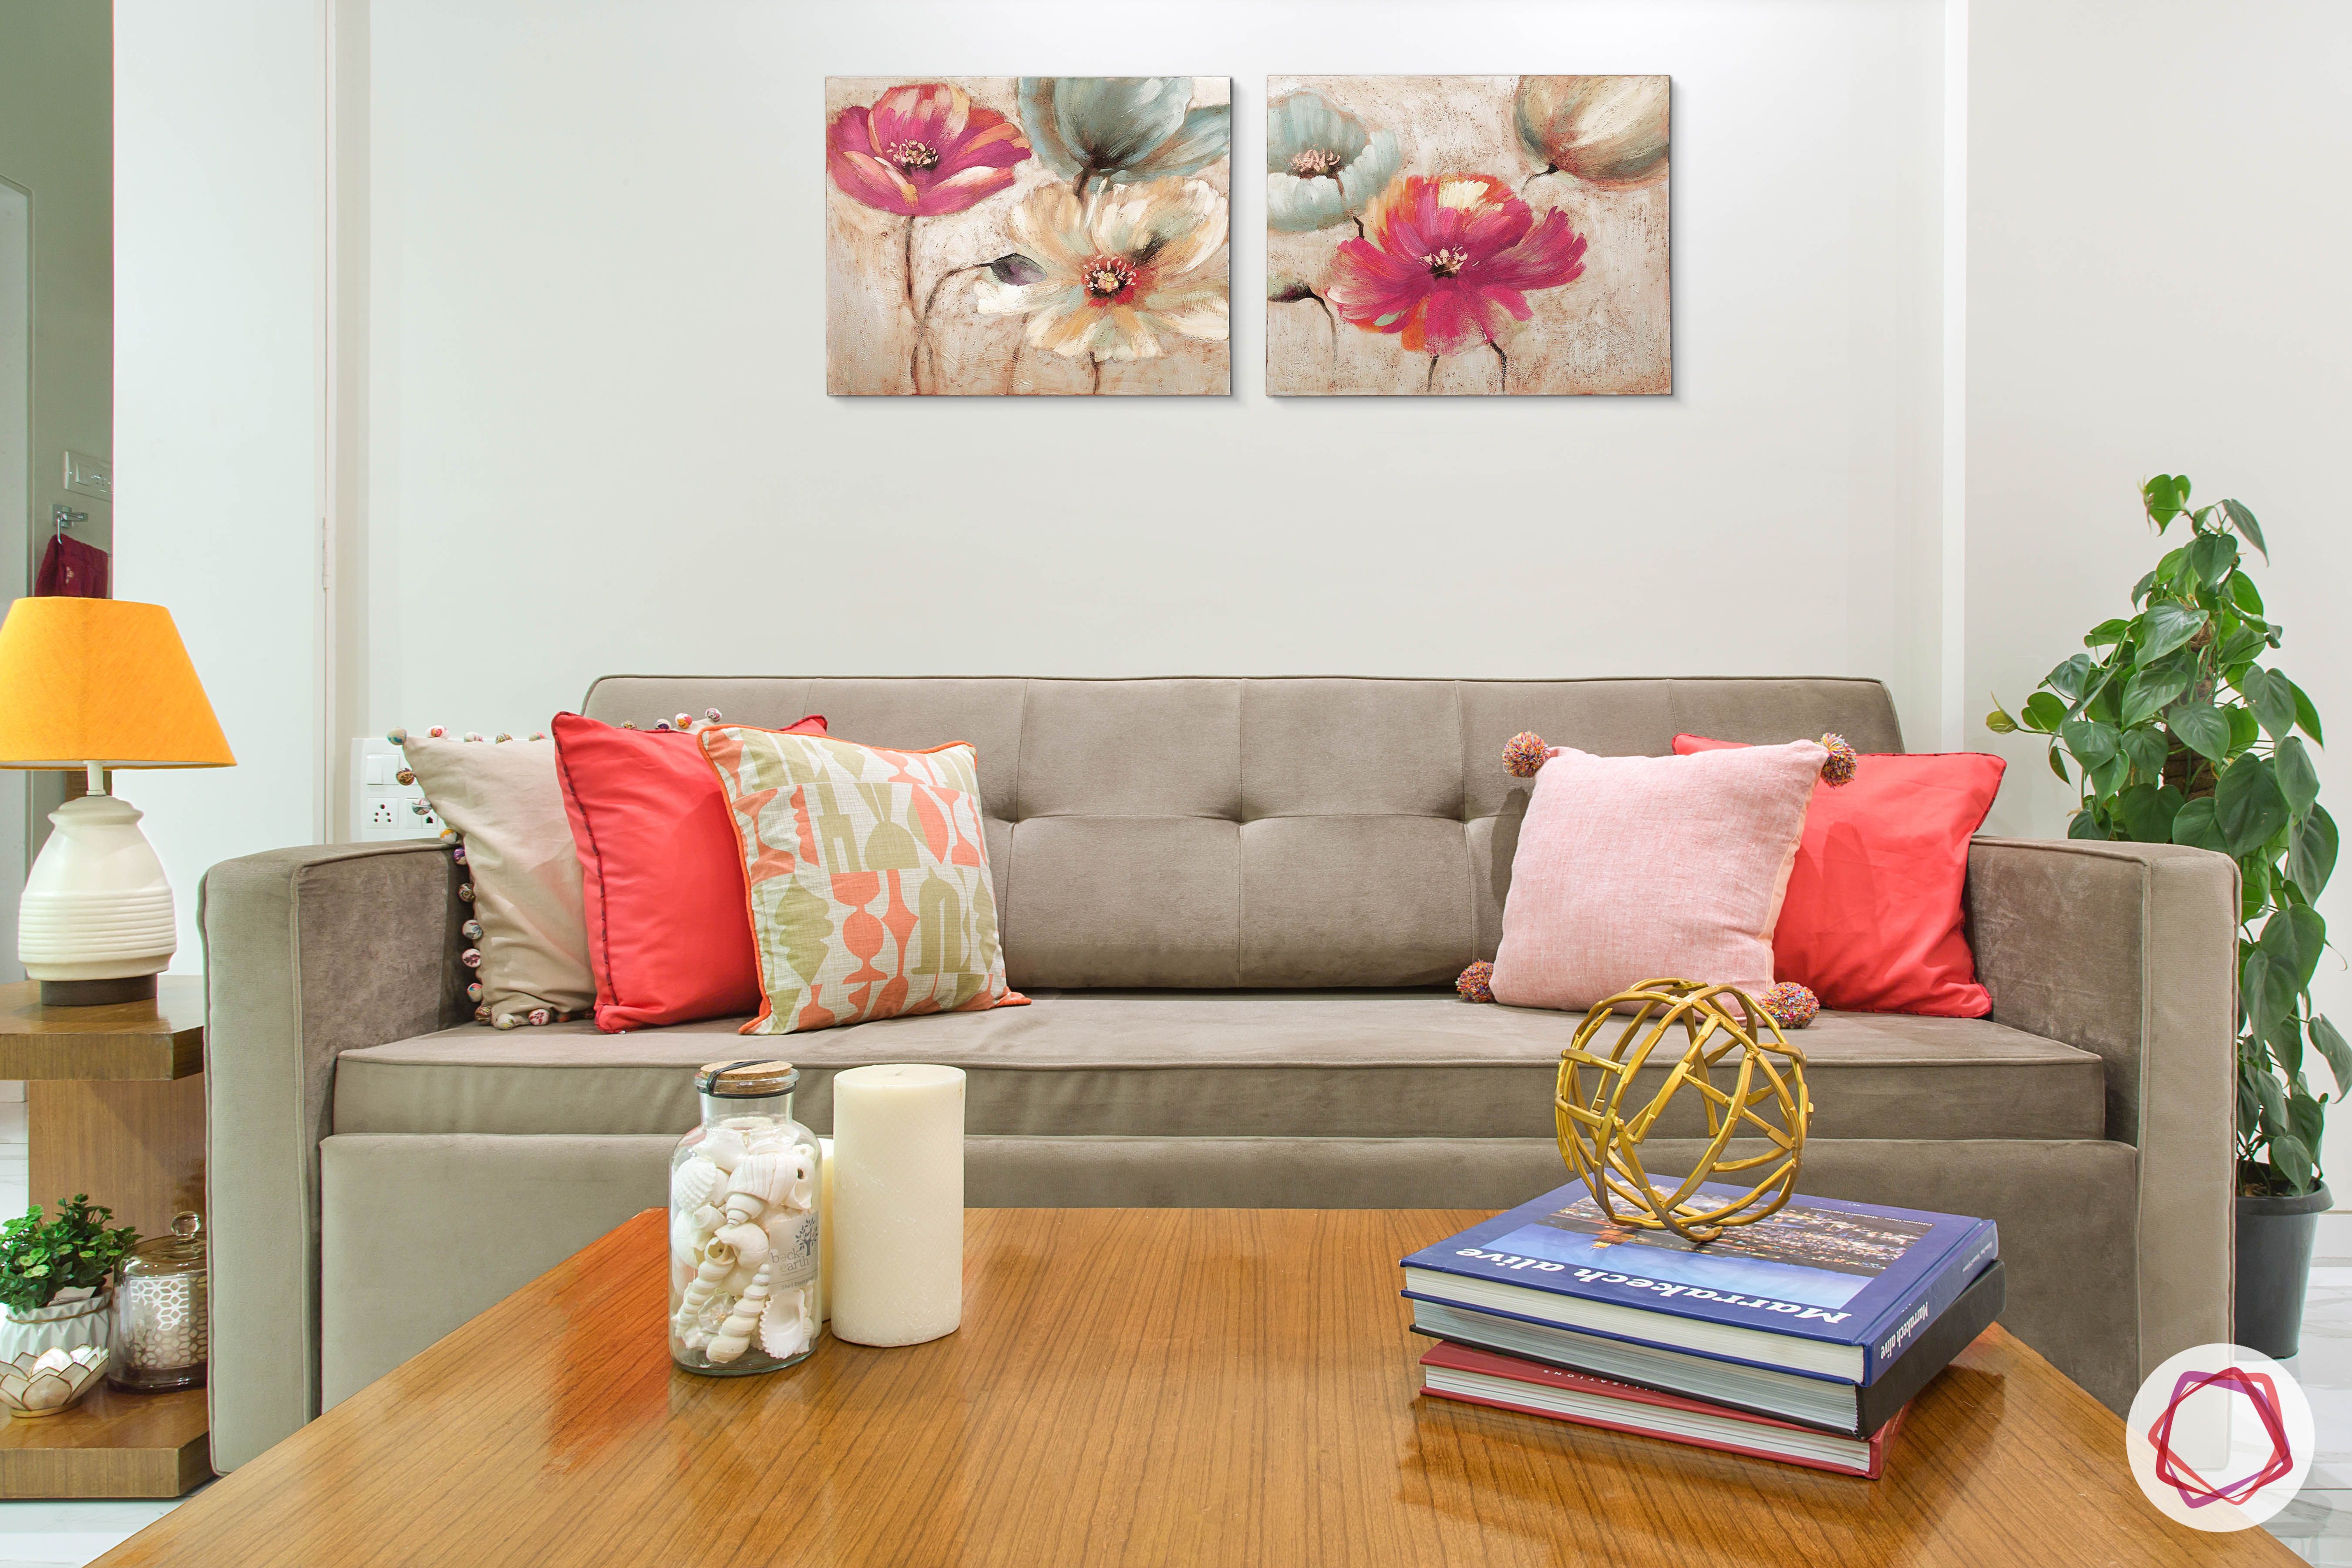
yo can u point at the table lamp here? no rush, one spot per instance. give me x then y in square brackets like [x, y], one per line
[99, 684]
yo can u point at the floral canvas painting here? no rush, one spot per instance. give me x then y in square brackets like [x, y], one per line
[1467, 235]
[1028, 235]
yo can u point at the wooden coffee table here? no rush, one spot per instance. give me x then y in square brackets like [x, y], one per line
[1173, 1386]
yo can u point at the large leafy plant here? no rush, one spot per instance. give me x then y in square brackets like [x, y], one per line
[75, 1250]
[2181, 728]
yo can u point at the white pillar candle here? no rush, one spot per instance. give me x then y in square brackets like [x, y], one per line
[825, 1230]
[897, 1206]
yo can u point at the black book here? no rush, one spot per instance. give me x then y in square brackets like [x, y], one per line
[1854, 1410]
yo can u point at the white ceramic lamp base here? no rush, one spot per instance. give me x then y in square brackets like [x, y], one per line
[96, 923]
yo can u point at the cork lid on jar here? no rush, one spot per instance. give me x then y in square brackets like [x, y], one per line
[746, 1081]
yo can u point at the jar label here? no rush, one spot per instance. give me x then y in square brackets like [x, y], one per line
[794, 1262]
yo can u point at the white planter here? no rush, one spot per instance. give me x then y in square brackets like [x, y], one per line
[60, 1325]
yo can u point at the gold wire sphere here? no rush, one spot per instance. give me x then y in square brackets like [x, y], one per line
[1600, 1133]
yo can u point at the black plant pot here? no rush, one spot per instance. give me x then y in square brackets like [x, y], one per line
[2274, 1237]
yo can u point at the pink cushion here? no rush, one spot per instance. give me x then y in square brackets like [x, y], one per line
[1872, 921]
[669, 929]
[1633, 868]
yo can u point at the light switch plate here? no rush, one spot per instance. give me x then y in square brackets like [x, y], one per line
[89, 476]
[383, 808]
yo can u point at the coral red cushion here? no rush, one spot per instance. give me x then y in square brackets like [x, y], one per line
[1872, 921]
[669, 935]
[1633, 868]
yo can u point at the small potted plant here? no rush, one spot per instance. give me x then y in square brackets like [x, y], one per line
[53, 1277]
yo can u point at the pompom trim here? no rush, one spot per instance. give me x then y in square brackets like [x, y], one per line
[1790, 1005]
[1841, 764]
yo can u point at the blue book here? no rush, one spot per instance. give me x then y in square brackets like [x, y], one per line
[1824, 1289]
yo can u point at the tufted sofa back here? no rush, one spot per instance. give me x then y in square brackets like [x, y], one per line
[1269, 833]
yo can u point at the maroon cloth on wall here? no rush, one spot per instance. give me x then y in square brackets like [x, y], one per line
[71, 570]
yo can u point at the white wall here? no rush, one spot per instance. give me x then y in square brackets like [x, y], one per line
[219, 142]
[2158, 224]
[16, 510]
[56, 142]
[599, 439]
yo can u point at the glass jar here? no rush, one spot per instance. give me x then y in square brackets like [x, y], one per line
[743, 1257]
[160, 1321]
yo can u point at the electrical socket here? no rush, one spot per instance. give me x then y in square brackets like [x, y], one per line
[383, 808]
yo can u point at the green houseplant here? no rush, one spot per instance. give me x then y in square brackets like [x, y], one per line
[71, 1257]
[2178, 726]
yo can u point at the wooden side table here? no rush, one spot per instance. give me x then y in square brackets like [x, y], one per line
[115, 1108]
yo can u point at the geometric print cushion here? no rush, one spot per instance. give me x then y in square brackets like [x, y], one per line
[869, 877]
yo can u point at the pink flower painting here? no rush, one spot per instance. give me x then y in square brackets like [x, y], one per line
[1028, 235]
[1516, 242]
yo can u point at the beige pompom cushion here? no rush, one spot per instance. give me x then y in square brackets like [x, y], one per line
[502, 798]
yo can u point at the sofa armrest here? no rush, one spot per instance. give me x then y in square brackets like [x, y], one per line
[2130, 951]
[308, 952]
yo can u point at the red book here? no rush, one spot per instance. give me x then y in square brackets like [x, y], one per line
[1505, 1383]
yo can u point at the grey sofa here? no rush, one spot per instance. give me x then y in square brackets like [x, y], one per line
[1239, 905]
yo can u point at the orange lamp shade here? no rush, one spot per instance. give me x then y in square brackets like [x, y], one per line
[104, 681]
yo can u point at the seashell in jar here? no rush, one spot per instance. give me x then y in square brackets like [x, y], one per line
[771, 1141]
[749, 1244]
[734, 1336]
[692, 1183]
[784, 1327]
[722, 1146]
[716, 1264]
[767, 1177]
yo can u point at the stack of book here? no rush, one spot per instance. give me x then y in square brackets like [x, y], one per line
[1799, 1338]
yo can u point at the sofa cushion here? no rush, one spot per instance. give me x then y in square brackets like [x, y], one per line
[858, 858]
[661, 875]
[1234, 1064]
[528, 942]
[1874, 920]
[1634, 866]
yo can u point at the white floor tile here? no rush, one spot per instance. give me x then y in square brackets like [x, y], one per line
[2318, 1526]
[70, 1534]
